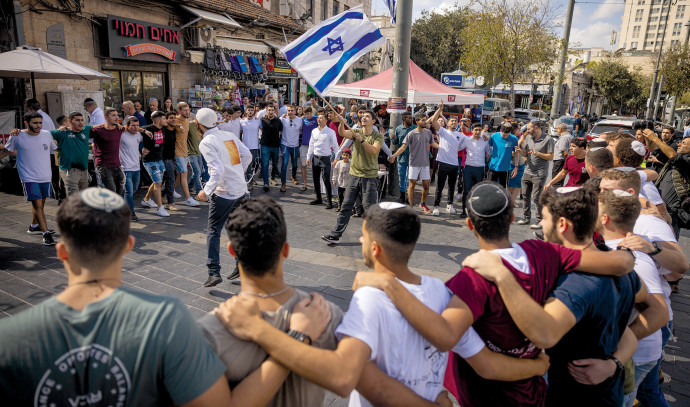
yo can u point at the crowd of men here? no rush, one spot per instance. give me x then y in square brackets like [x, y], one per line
[589, 302]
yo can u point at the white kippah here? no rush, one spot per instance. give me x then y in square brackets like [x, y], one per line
[638, 147]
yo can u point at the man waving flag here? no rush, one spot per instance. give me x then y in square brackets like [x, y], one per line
[322, 54]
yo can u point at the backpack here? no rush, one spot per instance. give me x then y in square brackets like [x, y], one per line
[210, 58]
[682, 188]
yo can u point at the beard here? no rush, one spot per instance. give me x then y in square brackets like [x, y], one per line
[368, 260]
[552, 236]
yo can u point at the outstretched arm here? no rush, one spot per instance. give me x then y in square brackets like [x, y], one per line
[382, 390]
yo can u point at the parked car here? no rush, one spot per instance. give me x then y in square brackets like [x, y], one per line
[493, 111]
[615, 124]
[569, 120]
[525, 116]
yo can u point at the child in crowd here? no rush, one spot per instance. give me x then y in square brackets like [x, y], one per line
[341, 175]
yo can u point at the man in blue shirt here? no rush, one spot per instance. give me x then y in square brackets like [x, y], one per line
[503, 144]
[403, 159]
[309, 123]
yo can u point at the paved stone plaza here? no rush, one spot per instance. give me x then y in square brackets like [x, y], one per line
[169, 258]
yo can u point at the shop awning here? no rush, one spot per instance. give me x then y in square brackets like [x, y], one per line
[243, 45]
[214, 17]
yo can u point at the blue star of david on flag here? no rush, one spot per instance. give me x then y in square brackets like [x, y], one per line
[334, 45]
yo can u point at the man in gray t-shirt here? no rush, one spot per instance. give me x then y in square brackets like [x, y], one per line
[418, 141]
[561, 150]
[538, 152]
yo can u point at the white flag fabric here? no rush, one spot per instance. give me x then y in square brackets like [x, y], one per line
[391, 6]
[323, 54]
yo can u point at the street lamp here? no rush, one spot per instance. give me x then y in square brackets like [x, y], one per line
[652, 99]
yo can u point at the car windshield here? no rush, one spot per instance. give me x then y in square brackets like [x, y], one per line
[522, 115]
[603, 128]
[488, 105]
[566, 120]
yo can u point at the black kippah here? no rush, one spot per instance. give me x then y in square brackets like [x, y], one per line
[488, 200]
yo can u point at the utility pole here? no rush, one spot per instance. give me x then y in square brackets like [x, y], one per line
[652, 105]
[401, 60]
[658, 96]
[556, 102]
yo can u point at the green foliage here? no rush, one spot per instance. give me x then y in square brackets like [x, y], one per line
[613, 80]
[675, 66]
[437, 41]
[505, 40]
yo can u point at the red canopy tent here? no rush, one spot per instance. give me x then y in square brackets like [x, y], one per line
[422, 88]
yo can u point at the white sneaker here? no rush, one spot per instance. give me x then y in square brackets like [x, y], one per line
[435, 212]
[149, 203]
[162, 212]
[176, 195]
[450, 209]
[191, 202]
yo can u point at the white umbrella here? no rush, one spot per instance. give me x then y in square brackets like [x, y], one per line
[32, 63]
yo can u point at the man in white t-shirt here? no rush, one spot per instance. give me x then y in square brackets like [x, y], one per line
[250, 138]
[32, 147]
[618, 212]
[374, 330]
[227, 159]
[289, 145]
[130, 158]
[231, 121]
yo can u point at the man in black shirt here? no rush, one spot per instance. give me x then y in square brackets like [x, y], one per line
[271, 128]
[153, 162]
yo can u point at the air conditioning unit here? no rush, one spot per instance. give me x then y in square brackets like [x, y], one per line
[285, 8]
[201, 36]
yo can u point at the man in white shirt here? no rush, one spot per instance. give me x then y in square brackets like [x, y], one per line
[231, 121]
[250, 138]
[96, 115]
[32, 147]
[372, 329]
[618, 212]
[289, 145]
[561, 151]
[32, 105]
[321, 145]
[227, 159]
[130, 158]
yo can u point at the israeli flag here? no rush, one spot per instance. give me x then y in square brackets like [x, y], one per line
[391, 7]
[323, 54]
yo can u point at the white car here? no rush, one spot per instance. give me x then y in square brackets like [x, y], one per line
[615, 124]
[569, 120]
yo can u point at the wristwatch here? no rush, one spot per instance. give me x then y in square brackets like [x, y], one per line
[300, 336]
[619, 366]
[657, 249]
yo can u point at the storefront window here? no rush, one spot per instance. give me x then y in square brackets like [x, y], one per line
[131, 86]
[112, 91]
[154, 87]
[127, 85]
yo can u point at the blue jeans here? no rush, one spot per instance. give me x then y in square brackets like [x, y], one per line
[649, 393]
[218, 211]
[641, 372]
[402, 173]
[131, 185]
[268, 153]
[195, 179]
[289, 154]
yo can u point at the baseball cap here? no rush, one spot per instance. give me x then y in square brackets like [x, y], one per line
[207, 117]
[347, 150]
[130, 118]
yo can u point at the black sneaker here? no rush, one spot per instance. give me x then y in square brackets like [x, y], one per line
[331, 239]
[48, 239]
[463, 215]
[235, 273]
[329, 205]
[266, 188]
[134, 217]
[37, 230]
[316, 202]
[213, 280]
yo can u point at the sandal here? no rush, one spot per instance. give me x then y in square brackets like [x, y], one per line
[303, 189]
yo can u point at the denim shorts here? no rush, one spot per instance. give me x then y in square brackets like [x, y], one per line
[155, 170]
[35, 191]
[181, 164]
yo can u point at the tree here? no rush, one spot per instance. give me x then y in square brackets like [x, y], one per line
[507, 40]
[613, 80]
[675, 66]
[437, 41]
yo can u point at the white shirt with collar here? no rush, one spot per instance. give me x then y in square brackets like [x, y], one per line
[475, 150]
[322, 143]
[292, 128]
[97, 117]
[227, 159]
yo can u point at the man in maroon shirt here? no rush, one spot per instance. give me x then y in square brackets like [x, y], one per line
[106, 151]
[574, 166]
[535, 264]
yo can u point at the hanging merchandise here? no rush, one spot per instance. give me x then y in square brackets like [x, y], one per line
[243, 63]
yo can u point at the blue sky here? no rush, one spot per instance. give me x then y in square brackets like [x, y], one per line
[592, 20]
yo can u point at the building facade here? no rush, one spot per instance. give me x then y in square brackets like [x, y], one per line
[646, 22]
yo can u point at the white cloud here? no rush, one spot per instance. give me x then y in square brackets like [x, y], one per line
[594, 35]
[607, 10]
